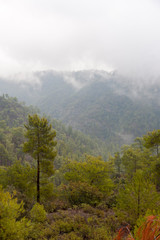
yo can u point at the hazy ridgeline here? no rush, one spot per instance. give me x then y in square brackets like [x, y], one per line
[100, 104]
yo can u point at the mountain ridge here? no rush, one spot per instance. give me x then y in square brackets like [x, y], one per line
[98, 103]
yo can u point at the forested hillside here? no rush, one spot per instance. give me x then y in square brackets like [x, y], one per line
[84, 197]
[71, 143]
[100, 104]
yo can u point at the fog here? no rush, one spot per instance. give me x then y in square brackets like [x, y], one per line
[69, 35]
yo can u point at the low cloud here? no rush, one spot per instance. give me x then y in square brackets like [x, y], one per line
[74, 35]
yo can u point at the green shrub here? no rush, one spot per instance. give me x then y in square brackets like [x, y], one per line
[37, 213]
[80, 192]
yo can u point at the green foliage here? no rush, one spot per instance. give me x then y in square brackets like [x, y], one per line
[12, 111]
[81, 192]
[117, 162]
[156, 174]
[40, 139]
[152, 140]
[93, 171]
[134, 159]
[86, 181]
[12, 225]
[37, 213]
[136, 197]
[38, 218]
[17, 136]
[74, 144]
[22, 177]
[12, 118]
[4, 156]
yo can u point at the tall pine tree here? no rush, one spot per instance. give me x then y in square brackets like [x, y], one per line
[40, 146]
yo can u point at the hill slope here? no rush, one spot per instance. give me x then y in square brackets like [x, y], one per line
[101, 104]
[70, 143]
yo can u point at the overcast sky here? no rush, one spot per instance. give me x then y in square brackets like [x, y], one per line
[80, 34]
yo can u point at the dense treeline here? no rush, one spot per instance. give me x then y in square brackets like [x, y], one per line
[12, 118]
[71, 143]
[84, 197]
[14, 113]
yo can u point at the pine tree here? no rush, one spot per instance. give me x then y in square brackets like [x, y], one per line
[152, 140]
[136, 197]
[40, 146]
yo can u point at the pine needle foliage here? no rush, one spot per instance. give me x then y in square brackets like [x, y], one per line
[40, 146]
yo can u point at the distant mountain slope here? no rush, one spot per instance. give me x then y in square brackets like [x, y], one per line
[13, 113]
[98, 103]
[70, 143]
[100, 111]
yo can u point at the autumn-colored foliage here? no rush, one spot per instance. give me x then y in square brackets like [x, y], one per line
[124, 232]
[149, 230]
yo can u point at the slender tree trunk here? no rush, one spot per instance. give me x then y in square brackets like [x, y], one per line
[38, 170]
[138, 202]
[38, 187]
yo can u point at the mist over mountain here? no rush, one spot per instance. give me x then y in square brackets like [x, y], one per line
[98, 103]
